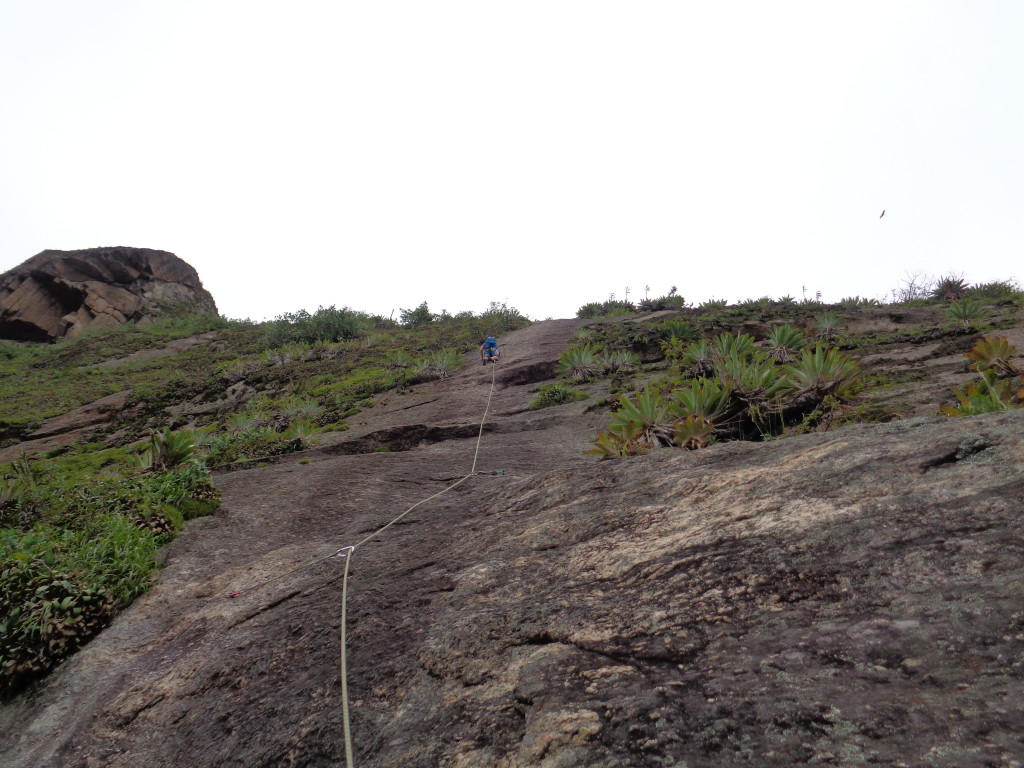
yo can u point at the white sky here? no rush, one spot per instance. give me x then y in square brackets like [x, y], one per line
[377, 154]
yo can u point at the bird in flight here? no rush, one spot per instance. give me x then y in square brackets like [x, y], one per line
[883, 213]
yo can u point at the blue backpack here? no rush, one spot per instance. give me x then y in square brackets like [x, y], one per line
[491, 343]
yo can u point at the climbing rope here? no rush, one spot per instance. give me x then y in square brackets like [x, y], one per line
[344, 551]
[349, 551]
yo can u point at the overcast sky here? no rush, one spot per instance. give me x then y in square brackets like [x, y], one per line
[379, 154]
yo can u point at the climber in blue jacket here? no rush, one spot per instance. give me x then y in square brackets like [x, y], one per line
[489, 350]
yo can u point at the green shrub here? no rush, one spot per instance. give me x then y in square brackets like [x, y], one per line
[857, 301]
[326, 324]
[605, 308]
[556, 394]
[671, 301]
[999, 290]
[62, 586]
[416, 317]
[713, 304]
[497, 317]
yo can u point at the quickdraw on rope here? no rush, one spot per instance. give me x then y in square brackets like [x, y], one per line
[278, 577]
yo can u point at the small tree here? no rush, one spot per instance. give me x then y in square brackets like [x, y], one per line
[419, 316]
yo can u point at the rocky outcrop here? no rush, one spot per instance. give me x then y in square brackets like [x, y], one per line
[56, 294]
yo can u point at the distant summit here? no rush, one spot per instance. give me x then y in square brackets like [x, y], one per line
[57, 294]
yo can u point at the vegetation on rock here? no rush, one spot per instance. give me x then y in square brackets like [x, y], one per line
[77, 544]
[992, 392]
[556, 393]
[796, 374]
[80, 524]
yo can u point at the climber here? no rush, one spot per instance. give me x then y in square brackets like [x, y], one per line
[488, 350]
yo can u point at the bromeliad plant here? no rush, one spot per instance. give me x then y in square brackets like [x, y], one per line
[400, 359]
[991, 358]
[649, 414]
[692, 433]
[707, 398]
[678, 329]
[713, 304]
[440, 365]
[580, 363]
[757, 387]
[822, 370]
[994, 353]
[727, 346]
[951, 286]
[964, 312]
[167, 450]
[784, 342]
[746, 395]
[648, 422]
[621, 361]
[828, 326]
[621, 440]
[987, 395]
[700, 358]
[556, 393]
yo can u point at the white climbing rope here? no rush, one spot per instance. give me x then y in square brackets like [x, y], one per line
[349, 551]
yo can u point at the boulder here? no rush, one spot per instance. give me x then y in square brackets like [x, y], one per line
[57, 294]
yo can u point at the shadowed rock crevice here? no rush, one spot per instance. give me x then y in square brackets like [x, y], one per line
[527, 374]
[405, 438]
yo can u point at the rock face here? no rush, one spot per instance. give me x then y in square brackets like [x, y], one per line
[845, 598]
[61, 293]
